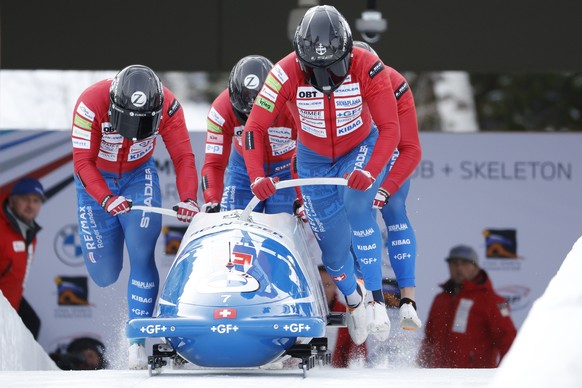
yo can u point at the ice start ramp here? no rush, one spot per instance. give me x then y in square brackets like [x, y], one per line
[18, 349]
[320, 377]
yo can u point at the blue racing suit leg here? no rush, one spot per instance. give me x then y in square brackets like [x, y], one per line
[282, 200]
[401, 242]
[237, 187]
[336, 213]
[366, 235]
[140, 231]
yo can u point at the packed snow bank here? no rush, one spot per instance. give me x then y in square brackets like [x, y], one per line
[18, 349]
[548, 349]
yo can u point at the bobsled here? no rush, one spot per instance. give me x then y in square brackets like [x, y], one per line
[243, 291]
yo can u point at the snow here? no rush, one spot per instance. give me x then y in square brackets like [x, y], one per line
[536, 359]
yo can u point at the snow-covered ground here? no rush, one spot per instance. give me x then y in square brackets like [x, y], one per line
[547, 352]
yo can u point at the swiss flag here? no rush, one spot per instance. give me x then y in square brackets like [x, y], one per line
[339, 278]
[224, 313]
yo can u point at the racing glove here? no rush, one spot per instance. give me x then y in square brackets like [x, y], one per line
[299, 210]
[116, 204]
[264, 187]
[381, 199]
[360, 180]
[211, 207]
[186, 210]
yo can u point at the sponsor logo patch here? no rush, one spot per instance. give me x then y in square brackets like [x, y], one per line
[85, 112]
[280, 74]
[264, 103]
[273, 83]
[212, 127]
[214, 138]
[268, 93]
[108, 156]
[216, 117]
[83, 144]
[403, 88]
[81, 122]
[213, 149]
[341, 131]
[376, 69]
[173, 108]
[80, 132]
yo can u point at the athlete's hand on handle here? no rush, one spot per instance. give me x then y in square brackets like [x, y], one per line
[186, 210]
[116, 204]
[360, 180]
[299, 210]
[211, 207]
[264, 187]
[381, 199]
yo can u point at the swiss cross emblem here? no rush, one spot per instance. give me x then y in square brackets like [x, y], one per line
[224, 313]
[340, 278]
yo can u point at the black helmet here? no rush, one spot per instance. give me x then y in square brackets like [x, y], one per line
[323, 44]
[245, 82]
[365, 46]
[77, 346]
[136, 99]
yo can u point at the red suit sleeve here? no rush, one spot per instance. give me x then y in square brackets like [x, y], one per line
[410, 151]
[91, 106]
[262, 116]
[219, 133]
[177, 140]
[383, 108]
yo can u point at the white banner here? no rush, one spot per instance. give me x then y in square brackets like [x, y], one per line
[514, 196]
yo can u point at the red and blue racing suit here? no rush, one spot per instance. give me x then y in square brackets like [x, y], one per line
[401, 242]
[335, 136]
[224, 153]
[106, 163]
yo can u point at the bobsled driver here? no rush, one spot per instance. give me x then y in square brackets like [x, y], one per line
[336, 95]
[115, 124]
[226, 118]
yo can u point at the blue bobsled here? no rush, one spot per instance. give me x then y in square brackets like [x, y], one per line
[243, 291]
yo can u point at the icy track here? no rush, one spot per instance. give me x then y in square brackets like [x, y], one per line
[546, 353]
[323, 377]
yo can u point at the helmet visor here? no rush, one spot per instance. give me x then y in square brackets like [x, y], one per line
[134, 125]
[327, 78]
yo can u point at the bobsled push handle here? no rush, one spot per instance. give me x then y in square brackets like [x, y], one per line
[153, 209]
[292, 183]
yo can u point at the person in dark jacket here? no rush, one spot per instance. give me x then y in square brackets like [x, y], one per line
[469, 325]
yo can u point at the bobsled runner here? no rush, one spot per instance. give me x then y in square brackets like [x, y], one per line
[243, 291]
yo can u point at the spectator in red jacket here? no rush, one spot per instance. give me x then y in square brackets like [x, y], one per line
[469, 325]
[18, 229]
